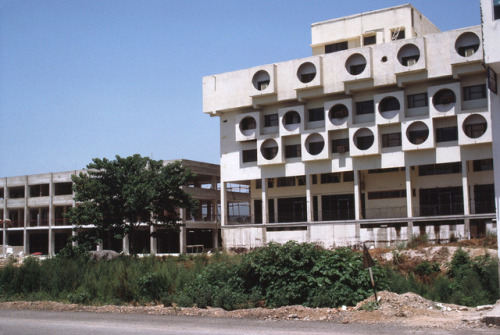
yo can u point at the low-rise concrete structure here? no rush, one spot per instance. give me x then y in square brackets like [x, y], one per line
[384, 133]
[32, 209]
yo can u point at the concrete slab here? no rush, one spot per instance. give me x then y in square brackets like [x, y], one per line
[493, 316]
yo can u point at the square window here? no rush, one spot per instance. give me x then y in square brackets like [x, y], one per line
[417, 100]
[316, 114]
[271, 120]
[292, 151]
[329, 48]
[249, 155]
[365, 107]
[391, 140]
[368, 40]
[446, 134]
[340, 145]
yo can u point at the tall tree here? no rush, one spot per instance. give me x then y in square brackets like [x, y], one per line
[116, 196]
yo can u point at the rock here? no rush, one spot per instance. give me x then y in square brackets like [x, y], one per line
[293, 316]
[484, 308]
[104, 254]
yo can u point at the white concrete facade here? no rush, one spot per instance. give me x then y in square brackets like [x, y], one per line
[32, 208]
[384, 133]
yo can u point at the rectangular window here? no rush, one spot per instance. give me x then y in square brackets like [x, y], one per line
[262, 85]
[391, 140]
[474, 92]
[398, 34]
[301, 180]
[340, 145]
[258, 184]
[475, 130]
[365, 107]
[271, 120]
[418, 136]
[482, 165]
[330, 178]
[417, 100]
[348, 176]
[292, 151]
[286, 181]
[316, 114]
[329, 48]
[16, 192]
[367, 40]
[496, 9]
[314, 179]
[270, 183]
[373, 171]
[249, 155]
[63, 188]
[446, 134]
[387, 194]
[437, 169]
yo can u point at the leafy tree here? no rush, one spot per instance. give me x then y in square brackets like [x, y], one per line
[116, 196]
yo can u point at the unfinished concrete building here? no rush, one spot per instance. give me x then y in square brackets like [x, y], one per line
[32, 208]
[384, 133]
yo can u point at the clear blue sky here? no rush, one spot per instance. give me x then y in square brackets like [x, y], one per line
[94, 78]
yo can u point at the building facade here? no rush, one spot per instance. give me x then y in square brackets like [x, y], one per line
[384, 133]
[32, 211]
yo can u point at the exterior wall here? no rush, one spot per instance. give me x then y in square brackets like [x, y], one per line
[40, 228]
[387, 206]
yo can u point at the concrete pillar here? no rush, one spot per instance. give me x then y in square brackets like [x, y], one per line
[409, 231]
[223, 204]
[52, 247]
[74, 234]
[320, 209]
[26, 218]
[465, 188]
[309, 200]
[265, 217]
[152, 241]
[409, 193]
[357, 196]
[183, 233]
[467, 228]
[125, 245]
[4, 226]
[215, 238]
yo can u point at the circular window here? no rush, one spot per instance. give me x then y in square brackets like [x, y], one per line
[417, 133]
[248, 125]
[338, 114]
[408, 55]
[475, 126]
[269, 149]
[355, 64]
[291, 120]
[306, 72]
[443, 100]
[363, 139]
[315, 144]
[389, 107]
[261, 80]
[467, 44]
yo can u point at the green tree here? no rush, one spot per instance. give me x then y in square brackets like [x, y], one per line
[116, 196]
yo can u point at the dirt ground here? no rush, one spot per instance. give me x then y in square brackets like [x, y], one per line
[408, 309]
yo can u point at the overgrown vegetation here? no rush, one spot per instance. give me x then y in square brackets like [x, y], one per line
[274, 276]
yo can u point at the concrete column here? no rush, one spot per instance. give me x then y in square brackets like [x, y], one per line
[223, 204]
[409, 193]
[265, 217]
[215, 238]
[183, 233]
[357, 196]
[4, 226]
[51, 220]
[465, 187]
[4, 240]
[26, 218]
[152, 241]
[100, 246]
[125, 245]
[182, 240]
[52, 248]
[467, 228]
[74, 243]
[309, 200]
[320, 209]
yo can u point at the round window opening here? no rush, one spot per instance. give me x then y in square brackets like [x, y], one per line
[248, 125]
[443, 100]
[475, 126]
[315, 144]
[408, 55]
[269, 149]
[467, 44]
[417, 133]
[338, 114]
[389, 107]
[355, 64]
[363, 139]
[291, 120]
[261, 80]
[306, 72]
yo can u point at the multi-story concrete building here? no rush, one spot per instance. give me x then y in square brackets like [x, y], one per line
[383, 133]
[32, 208]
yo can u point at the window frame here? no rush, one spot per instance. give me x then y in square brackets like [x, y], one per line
[271, 120]
[365, 107]
[418, 100]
